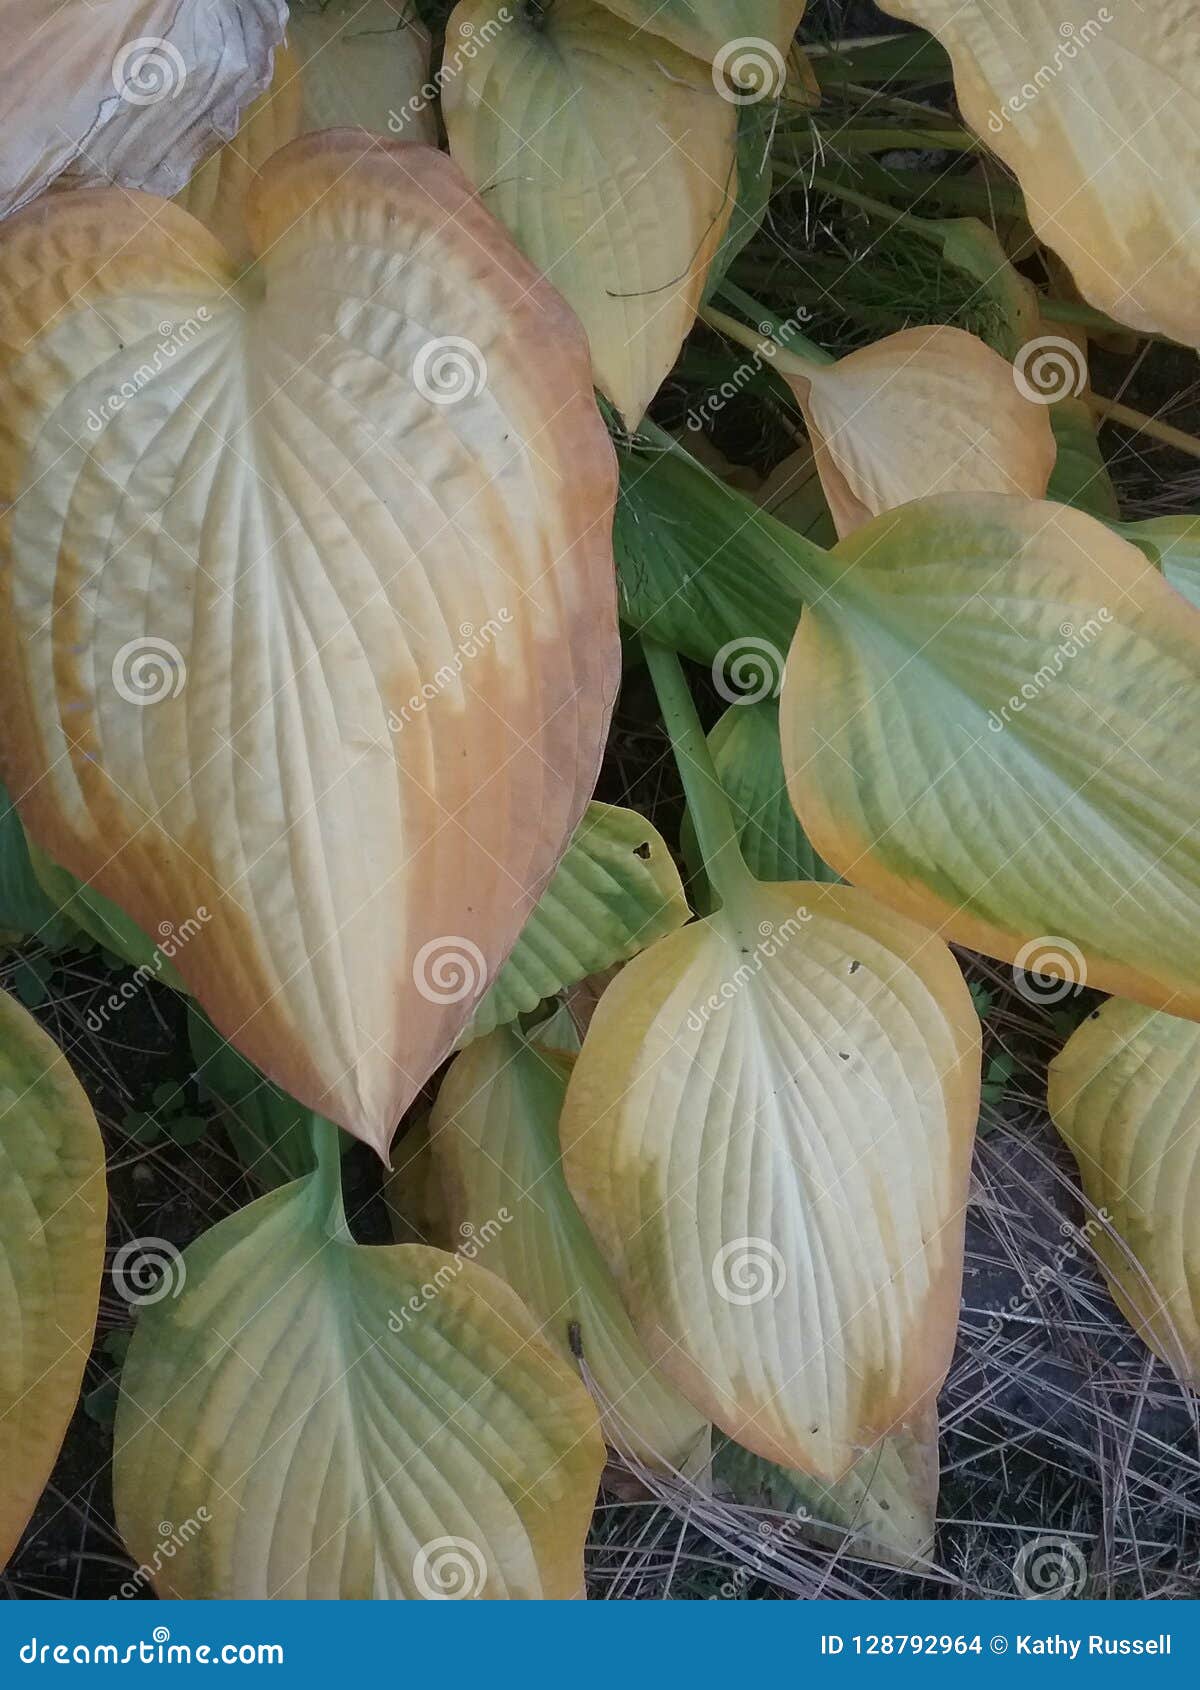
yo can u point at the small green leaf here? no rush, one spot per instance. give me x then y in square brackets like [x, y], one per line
[31, 981]
[1080, 476]
[24, 907]
[1172, 543]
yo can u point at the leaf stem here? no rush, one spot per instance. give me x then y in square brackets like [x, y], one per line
[1114, 411]
[327, 1178]
[766, 350]
[712, 817]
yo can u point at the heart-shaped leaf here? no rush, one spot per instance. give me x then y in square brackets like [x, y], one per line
[769, 1132]
[612, 158]
[52, 1208]
[129, 91]
[1125, 1095]
[981, 724]
[337, 663]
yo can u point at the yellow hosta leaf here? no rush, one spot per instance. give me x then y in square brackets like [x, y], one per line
[981, 725]
[335, 663]
[750, 37]
[612, 158]
[350, 1422]
[1125, 1095]
[1094, 108]
[129, 91]
[769, 1133]
[360, 62]
[494, 1142]
[52, 1208]
[929, 410]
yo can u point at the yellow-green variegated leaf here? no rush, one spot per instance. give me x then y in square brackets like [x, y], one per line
[769, 1132]
[749, 39]
[52, 1209]
[611, 156]
[1172, 543]
[336, 660]
[1093, 108]
[350, 1422]
[928, 410]
[615, 891]
[1125, 1095]
[981, 725]
[129, 91]
[494, 1142]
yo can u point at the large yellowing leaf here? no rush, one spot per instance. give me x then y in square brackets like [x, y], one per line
[493, 1138]
[1095, 109]
[612, 158]
[615, 891]
[981, 721]
[129, 91]
[929, 410]
[350, 1422]
[748, 36]
[52, 1208]
[361, 62]
[317, 629]
[1125, 1095]
[769, 1133]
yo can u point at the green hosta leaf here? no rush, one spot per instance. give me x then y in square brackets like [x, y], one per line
[103, 921]
[24, 907]
[699, 567]
[615, 891]
[494, 1143]
[350, 1422]
[749, 763]
[1172, 543]
[756, 127]
[1080, 476]
[711, 28]
[793, 494]
[52, 1208]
